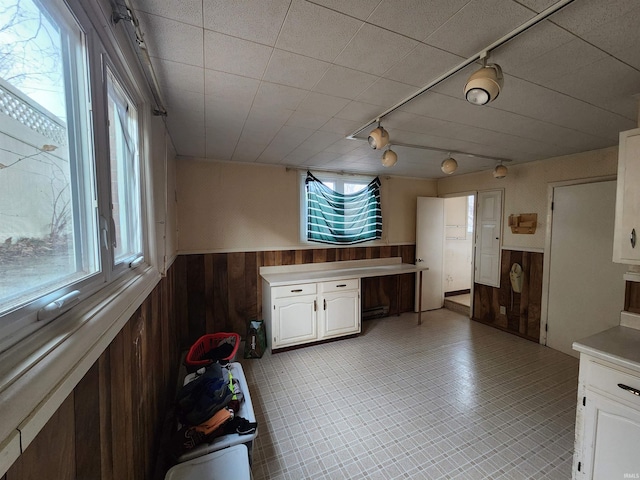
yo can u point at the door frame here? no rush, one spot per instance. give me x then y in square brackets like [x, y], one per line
[473, 193]
[544, 306]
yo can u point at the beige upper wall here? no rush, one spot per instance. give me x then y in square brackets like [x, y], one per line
[526, 187]
[224, 206]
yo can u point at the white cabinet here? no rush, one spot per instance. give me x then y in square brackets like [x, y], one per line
[303, 313]
[626, 240]
[607, 421]
[340, 308]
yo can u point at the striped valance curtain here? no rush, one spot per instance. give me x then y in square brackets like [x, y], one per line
[342, 219]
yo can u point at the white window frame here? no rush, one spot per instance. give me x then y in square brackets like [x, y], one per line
[59, 353]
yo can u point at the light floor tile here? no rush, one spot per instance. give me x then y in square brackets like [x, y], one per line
[451, 398]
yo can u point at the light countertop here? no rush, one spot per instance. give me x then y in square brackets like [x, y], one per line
[619, 345]
[310, 276]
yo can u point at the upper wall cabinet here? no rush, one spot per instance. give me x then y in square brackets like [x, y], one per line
[626, 240]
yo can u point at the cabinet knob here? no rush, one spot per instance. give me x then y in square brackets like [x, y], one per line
[632, 238]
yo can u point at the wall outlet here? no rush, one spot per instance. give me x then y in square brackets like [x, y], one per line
[503, 310]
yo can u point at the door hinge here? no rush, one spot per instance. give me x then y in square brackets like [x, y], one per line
[584, 401]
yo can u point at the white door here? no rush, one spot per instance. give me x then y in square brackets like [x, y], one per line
[586, 289]
[341, 313]
[429, 252]
[489, 232]
[294, 320]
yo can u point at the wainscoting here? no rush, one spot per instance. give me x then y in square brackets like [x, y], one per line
[522, 309]
[110, 426]
[220, 292]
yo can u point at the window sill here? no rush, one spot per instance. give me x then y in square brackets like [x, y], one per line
[39, 373]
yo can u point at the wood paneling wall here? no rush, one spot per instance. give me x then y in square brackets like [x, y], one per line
[110, 425]
[523, 318]
[221, 292]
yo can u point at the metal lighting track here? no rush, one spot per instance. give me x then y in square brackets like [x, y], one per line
[509, 36]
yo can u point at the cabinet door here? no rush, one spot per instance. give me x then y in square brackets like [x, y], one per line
[294, 320]
[626, 241]
[340, 313]
[615, 432]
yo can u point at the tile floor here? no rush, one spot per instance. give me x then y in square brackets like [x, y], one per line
[451, 398]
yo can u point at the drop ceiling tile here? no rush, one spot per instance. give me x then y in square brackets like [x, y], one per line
[374, 50]
[192, 104]
[359, 112]
[248, 150]
[234, 55]
[316, 31]
[340, 125]
[415, 18]
[320, 104]
[298, 157]
[618, 35]
[230, 86]
[532, 45]
[321, 159]
[254, 20]
[186, 11]
[178, 76]
[422, 65]
[171, 40]
[220, 143]
[575, 55]
[587, 16]
[356, 8]
[559, 109]
[220, 110]
[344, 82]
[320, 140]
[307, 120]
[538, 5]
[280, 96]
[287, 139]
[478, 25]
[586, 84]
[386, 93]
[343, 146]
[294, 70]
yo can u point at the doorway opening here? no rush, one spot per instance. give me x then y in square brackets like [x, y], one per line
[457, 276]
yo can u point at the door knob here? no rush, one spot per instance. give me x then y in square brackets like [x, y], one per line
[418, 260]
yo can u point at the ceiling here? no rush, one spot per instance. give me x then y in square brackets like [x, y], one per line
[286, 81]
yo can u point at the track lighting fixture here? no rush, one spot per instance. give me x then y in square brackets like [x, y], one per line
[449, 165]
[378, 137]
[500, 171]
[389, 157]
[484, 85]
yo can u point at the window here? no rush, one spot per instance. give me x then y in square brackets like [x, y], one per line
[70, 175]
[125, 173]
[48, 237]
[341, 211]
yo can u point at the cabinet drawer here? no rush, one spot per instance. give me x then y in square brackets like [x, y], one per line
[293, 290]
[338, 285]
[608, 380]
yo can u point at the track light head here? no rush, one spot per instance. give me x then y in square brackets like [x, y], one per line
[500, 171]
[389, 158]
[484, 85]
[378, 137]
[449, 165]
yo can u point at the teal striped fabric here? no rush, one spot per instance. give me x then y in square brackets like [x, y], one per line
[341, 219]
